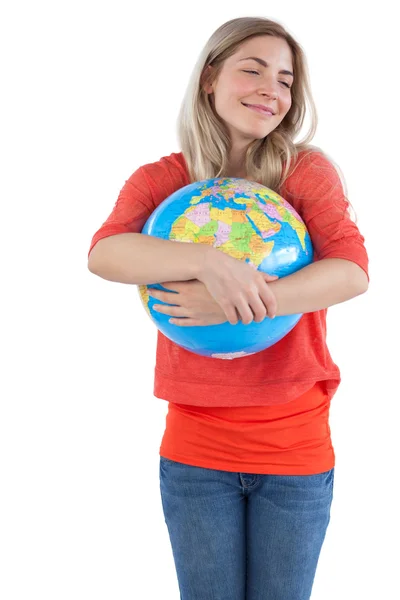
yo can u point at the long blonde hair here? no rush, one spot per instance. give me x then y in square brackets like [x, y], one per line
[204, 139]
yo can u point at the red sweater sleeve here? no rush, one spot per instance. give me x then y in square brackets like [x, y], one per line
[145, 189]
[131, 210]
[315, 191]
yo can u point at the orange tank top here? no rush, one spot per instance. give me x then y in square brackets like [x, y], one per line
[286, 439]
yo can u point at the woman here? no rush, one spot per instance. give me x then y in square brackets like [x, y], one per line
[246, 460]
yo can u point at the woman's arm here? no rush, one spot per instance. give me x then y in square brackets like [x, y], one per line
[137, 258]
[319, 285]
[341, 271]
[315, 287]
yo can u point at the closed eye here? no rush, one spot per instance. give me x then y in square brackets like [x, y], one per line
[257, 73]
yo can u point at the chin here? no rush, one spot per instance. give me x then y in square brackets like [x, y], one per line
[257, 135]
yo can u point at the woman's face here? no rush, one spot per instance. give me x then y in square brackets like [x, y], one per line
[246, 81]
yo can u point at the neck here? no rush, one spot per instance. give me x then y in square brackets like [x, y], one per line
[236, 163]
[236, 169]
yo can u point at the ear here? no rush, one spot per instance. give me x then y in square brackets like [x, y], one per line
[206, 78]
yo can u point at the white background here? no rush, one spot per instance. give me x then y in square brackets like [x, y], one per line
[91, 91]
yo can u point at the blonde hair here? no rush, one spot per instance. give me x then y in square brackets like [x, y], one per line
[203, 137]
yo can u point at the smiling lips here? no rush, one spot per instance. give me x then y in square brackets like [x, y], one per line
[265, 110]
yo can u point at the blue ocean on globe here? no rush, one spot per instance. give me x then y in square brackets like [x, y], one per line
[247, 221]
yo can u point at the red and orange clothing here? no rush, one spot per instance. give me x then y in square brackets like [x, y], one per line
[267, 412]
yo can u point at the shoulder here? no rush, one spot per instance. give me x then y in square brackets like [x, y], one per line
[161, 178]
[172, 166]
[312, 158]
[312, 168]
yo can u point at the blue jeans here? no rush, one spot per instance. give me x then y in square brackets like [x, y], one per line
[241, 536]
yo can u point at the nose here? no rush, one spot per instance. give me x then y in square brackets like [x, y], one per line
[269, 88]
[272, 95]
[269, 92]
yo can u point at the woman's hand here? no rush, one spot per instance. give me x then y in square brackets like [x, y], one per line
[193, 302]
[240, 289]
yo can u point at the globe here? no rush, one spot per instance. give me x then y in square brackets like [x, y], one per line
[247, 221]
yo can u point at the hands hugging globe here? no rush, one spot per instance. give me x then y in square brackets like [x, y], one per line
[247, 221]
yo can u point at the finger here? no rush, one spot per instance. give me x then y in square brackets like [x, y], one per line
[185, 322]
[259, 309]
[269, 300]
[230, 311]
[168, 297]
[173, 311]
[246, 314]
[269, 277]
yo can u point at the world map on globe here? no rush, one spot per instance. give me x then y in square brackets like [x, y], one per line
[247, 221]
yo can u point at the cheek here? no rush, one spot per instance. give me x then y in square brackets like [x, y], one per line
[287, 103]
[229, 96]
[245, 88]
[240, 87]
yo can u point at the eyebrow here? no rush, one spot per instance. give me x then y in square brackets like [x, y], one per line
[265, 64]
